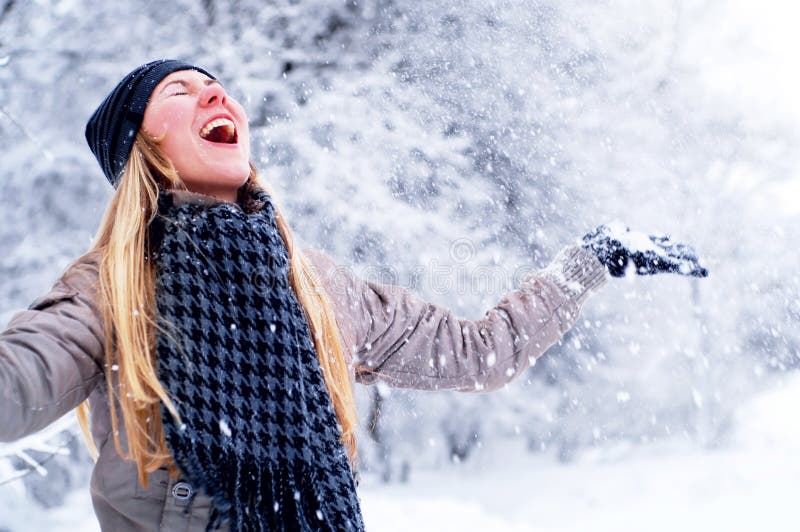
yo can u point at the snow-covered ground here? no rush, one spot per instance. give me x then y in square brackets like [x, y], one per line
[650, 489]
[749, 485]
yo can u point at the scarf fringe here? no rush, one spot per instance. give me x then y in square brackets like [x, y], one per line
[275, 498]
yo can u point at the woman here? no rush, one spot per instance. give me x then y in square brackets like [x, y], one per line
[218, 357]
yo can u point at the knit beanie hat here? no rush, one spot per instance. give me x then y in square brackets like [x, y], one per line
[113, 126]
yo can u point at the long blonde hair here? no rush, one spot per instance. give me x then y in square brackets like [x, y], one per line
[127, 299]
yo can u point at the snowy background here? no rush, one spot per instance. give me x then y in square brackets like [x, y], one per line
[476, 138]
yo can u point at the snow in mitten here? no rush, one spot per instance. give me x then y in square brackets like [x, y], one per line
[615, 245]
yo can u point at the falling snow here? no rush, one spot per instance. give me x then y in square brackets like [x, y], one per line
[477, 140]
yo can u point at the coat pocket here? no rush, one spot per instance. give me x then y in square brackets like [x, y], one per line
[157, 484]
[116, 490]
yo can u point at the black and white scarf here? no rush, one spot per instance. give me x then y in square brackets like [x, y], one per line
[259, 434]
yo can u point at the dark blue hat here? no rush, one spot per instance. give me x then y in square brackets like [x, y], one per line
[113, 126]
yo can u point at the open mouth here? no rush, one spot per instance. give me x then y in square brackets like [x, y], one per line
[220, 130]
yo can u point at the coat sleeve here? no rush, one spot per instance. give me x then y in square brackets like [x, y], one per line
[407, 342]
[50, 355]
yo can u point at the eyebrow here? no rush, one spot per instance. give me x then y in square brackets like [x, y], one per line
[183, 82]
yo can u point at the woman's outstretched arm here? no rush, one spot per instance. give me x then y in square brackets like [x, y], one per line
[410, 343]
[49, 355]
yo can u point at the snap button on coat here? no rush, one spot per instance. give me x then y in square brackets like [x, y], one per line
[182, 491]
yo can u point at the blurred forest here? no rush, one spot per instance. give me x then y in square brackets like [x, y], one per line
[476, 138]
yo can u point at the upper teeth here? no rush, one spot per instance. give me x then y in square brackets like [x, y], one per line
[217, 122]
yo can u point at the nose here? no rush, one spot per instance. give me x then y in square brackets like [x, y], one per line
[213, 94]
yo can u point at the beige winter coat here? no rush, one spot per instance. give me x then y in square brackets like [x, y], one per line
[51, 359]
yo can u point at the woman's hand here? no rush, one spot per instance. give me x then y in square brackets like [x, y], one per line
[615, 246]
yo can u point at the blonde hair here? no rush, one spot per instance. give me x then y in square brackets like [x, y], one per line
[127, 299]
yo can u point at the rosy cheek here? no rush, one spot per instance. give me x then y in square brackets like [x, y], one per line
[164, 119]
[241, 116]
[238, 111]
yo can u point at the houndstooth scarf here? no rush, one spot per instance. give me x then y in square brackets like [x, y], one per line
[259, 434]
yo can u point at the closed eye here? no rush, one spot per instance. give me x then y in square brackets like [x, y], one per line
[181, 86]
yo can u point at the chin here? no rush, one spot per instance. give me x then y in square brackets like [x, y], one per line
[233, 176]
[215, 180]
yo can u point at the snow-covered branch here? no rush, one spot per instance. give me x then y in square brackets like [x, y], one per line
[49, 441]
